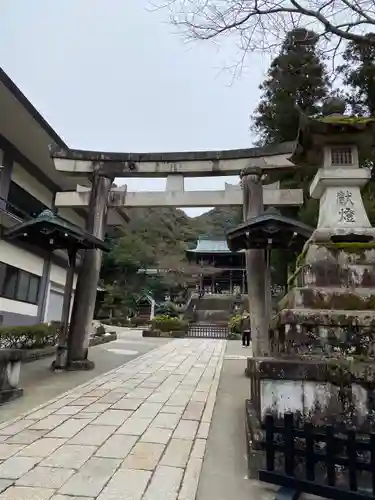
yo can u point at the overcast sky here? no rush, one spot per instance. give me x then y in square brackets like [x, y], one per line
[113, 75]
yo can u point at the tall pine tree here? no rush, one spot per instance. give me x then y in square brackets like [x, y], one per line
[297, 76]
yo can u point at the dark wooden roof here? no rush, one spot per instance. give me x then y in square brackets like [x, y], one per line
[51, 232]
[269, 230]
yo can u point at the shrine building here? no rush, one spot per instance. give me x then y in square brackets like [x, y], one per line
[223, 271]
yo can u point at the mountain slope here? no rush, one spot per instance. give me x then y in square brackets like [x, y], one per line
[169, 231]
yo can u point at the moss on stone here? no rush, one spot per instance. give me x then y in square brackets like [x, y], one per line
[341, 301]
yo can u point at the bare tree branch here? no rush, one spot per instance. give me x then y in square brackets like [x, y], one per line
[261, 24]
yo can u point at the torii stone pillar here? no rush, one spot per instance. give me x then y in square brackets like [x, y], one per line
[88, 278]
[259, 290]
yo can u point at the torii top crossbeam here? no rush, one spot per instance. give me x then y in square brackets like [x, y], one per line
[188, 164]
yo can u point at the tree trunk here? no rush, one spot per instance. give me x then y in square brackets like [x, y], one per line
[88, 278]
[256, 264]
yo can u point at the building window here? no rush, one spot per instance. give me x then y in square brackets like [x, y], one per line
[17, 284]
[22, 204]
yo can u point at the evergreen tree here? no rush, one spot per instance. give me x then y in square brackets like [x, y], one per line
[358, 73]
[297, 80]
[297, 76]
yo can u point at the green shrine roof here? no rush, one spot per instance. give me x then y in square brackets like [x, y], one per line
[207, 245]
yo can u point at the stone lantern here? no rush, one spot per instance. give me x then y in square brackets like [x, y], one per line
[322, 364]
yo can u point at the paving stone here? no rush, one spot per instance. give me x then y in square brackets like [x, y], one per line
[93, 434]
[148, 410]
[64, 497]
[85, 401]
[45, 477]
[126, 484]
[42, 413]
[69, 456]
[69, 410]
[7, 450]
[127, 404]
[193, 411]
[49, 422]
[15, 467]
[144, 456]
[41, 448]
[199, 396]
[111, 398]
[186, 429]
[26, 437]
[178, 410]
[191, 479]
[4, 484]
[164, 484]
[117, 446]
[134, 426]
[97, 393]
[159, 397]
[157, 435]
[166, 420]
[113, 417]
[87, 416]
[140, 393]
[199, 448]
[96, 408]
[203, 431]
[26, 493]
[16, 427]
[91, 478]
[68, 429]
[177, 453]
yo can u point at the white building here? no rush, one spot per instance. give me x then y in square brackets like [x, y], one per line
[31, 281]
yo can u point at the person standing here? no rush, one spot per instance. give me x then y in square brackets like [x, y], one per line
[245, 329]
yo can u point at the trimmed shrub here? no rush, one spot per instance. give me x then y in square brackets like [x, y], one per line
[138, 321]
[235, 323]
[29, 337]
[167, 323]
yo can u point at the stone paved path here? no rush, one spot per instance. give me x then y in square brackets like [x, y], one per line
[137, 432]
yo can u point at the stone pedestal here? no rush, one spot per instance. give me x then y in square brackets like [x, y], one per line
[10, 366]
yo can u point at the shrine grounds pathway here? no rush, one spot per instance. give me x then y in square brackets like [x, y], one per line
[153, 428]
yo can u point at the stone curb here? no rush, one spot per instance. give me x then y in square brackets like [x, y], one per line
[35, 354]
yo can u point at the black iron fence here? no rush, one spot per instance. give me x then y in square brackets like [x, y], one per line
[319, 461]
[208, 331]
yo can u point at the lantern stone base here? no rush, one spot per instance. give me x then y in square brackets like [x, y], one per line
[10, 366]
[316, 390]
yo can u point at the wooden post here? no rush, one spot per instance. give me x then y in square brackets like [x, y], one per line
[255, 263]
[61, 353]
[88, 278]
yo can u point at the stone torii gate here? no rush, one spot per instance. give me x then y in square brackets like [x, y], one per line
[102, 168]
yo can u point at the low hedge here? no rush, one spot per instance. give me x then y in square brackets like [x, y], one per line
[29, 337]
[167, 323]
